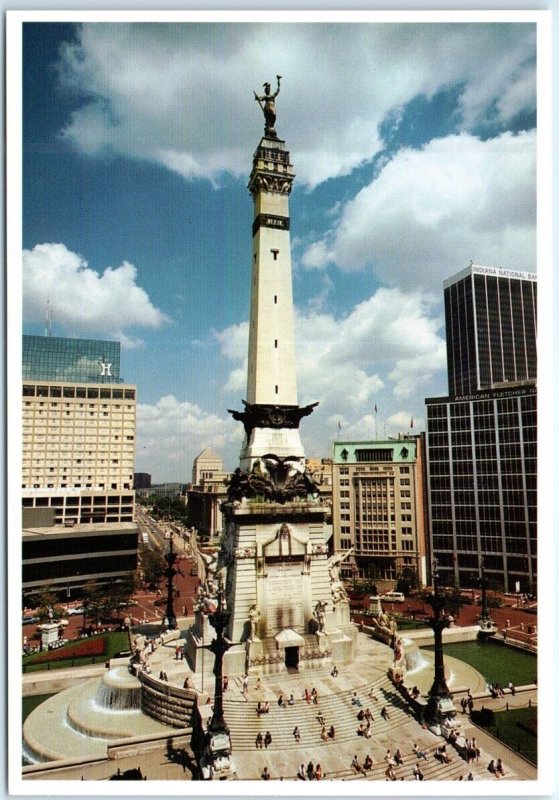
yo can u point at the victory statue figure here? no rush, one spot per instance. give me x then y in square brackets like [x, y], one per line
[267, 103]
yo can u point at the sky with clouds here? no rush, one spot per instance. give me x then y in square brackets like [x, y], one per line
[414, 147]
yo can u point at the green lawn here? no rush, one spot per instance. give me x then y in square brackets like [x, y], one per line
[115, 641]
[517, 728]
[497, 663]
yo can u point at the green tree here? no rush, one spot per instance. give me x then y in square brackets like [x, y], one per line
[153, 565]
[172, 508]
[93, 603]
[47, 600]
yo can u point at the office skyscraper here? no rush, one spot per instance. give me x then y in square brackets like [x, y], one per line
[78, 426]
[482, 438]
[490, 316]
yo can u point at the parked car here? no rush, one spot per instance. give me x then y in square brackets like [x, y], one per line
[28, 619]
[72, 612]
[393, 597]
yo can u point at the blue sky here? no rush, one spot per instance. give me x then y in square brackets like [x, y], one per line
[414, 149]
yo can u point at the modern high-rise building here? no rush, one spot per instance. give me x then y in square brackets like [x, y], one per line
[55, 358]
[379, 508]
[79, 427]
[482, 438]
[490, 318]
[78, 440]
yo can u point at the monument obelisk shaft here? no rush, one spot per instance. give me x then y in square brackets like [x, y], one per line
[271, 417]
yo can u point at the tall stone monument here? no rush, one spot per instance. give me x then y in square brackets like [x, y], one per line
[288, 607]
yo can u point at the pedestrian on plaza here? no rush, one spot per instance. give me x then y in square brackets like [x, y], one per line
[324, 734]
[470, 777]
[331, 732]
[282, 702]
[334, 672]
[417, 774]
[320, 718]
[384, 713]
[291, 700]
[318, 775]
[265, 774]
[512, 688]
[310, 771]
[470, 704]
[419, 753]
[464, 704]
[307, 696]
[297, 734]
[398, 757]
[267, 739]
[475, 748]
[355, 701]
[314, 695]
[258, 685]
[499, 771]
[368, 763]
[355, 765]
[301, 774]
[389, 759]
[390, 774]
[259, 741]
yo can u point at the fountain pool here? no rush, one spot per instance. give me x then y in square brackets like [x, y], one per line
[83, 720]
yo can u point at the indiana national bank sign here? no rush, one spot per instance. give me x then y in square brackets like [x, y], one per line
[498, 272]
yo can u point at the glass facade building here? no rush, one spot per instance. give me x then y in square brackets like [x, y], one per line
[482, 439]
[54, 358]
[482, 478]
[490, 316]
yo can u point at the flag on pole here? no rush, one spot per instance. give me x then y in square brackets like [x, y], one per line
[376, 408]
[339, 426]
[411, 423]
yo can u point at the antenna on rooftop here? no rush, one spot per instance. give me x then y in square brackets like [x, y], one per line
[48, 319]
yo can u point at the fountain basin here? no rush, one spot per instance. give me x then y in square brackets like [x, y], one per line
[83, 720]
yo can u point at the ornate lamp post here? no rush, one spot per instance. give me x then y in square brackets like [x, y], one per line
[218, 742]
[171, 558]
[440, 703]
[486, 625]
[485, 615]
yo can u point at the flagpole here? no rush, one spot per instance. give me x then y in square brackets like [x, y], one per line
[376, 424]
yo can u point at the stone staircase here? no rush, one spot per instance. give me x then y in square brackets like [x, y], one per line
[337, 709]
[433, 769]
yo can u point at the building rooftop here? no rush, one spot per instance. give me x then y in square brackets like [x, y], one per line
[497, 272]
[81, 528]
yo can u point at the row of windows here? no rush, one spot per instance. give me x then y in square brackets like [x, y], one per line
[92, 392]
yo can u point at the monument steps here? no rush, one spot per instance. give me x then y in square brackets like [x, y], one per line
[433, 770]
[337, 709]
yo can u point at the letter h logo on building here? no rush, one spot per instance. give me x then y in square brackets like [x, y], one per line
[105, 367]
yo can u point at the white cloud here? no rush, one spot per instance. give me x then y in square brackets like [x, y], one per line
[387, 349]
[181, 95]
[172, 432]
[430, 211]
[385, 352]
[83, 300]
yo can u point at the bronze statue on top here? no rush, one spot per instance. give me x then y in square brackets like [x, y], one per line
[267, 103]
